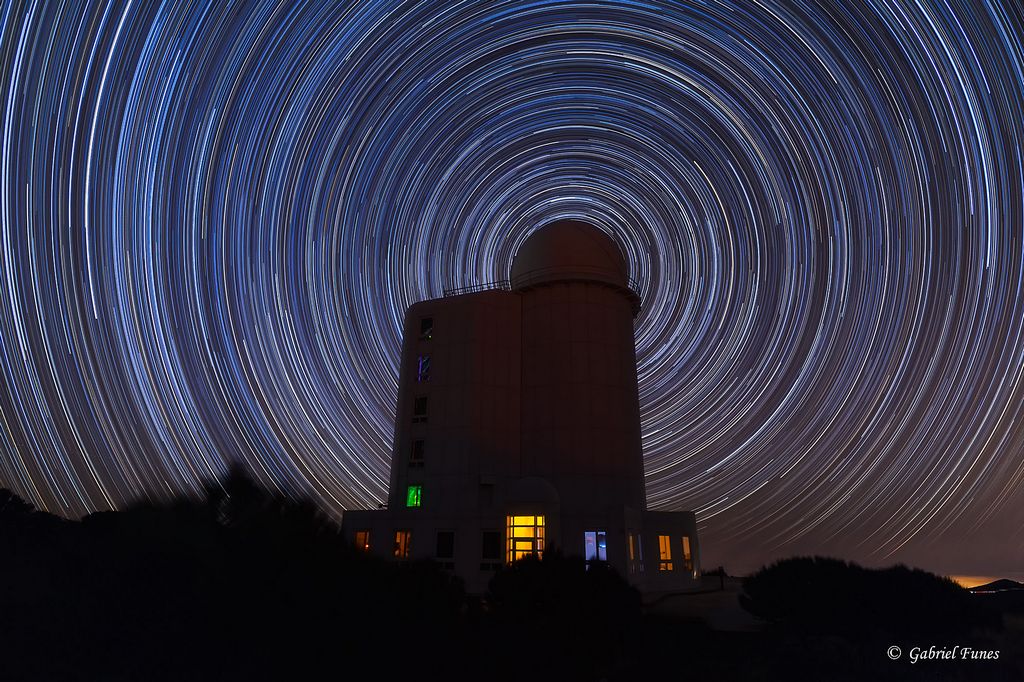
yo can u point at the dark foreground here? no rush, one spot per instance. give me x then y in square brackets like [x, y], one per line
[246, 586]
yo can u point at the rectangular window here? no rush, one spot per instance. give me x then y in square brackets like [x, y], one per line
[419, 410]
[414, 496]
[687, 555]
[403, 544]
[363, 540]
[664, 553]
[525, 536]
[490, 550]
[446, 544]
[595, 545]
[416, 454]
[426, 328]
[491, 545]
[423, 368]
[636, 554]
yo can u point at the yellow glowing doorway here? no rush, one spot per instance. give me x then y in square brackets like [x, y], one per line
[525, 536]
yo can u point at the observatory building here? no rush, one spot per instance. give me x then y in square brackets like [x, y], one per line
[518, 425]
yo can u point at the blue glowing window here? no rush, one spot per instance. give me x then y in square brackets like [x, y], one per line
[595, 545]
[423, 368]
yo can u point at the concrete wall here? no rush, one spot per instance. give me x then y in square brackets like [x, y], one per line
[580, 410]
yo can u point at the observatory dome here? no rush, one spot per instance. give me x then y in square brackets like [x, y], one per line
[569, 250]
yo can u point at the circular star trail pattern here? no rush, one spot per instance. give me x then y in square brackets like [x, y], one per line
[215, 214]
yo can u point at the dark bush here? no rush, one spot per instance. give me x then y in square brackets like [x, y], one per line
[240, 585]
[577, 614]
[828, 596]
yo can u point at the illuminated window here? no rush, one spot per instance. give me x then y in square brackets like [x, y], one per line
[446, 548]
[403, 544]
[664, 553]
[595, 545]
[416, 454]
[414, 496]
[423, 368]
[419, 410]
[363, 540]
[426, 328]
[687, 555]
[525, 536]
[636, 554]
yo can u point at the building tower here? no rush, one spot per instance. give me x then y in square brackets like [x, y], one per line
[518, 425]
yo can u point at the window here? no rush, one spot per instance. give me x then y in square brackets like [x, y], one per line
[446, 548]
[423, 368]
[419, 410]
[525, 536]
[403, 544]
[687, 555]
[595, 545]
[426, 328]
[664, 553]
[414, 496]
[363, 540]
[636, 554]
[416, 454]
[490, 553]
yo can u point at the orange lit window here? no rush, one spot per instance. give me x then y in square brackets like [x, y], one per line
[525, 536]
[363, 540]
[664, 553]
[636, 554]
[687, 555]
[403, 544]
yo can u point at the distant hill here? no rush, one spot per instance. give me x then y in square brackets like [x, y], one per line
[998, 586]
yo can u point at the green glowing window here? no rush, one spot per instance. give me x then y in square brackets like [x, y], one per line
[414, 496]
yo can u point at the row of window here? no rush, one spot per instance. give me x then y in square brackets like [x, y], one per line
[445, 547]
[414, 493]
[419, 407]
[526, 537]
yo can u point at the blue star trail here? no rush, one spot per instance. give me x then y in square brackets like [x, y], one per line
[213, 216]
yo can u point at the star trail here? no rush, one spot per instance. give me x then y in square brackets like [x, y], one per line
[213, 216]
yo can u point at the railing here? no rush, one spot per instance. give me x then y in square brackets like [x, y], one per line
[536, 276]
[540, 276]
[502, 284]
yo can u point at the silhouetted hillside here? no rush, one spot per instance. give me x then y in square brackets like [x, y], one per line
[829, 596]
[247, 585]
[241, 585]
[1002, 585]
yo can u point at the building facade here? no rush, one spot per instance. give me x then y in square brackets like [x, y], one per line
[518, 426]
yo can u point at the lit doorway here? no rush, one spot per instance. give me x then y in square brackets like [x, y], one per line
[525, 536]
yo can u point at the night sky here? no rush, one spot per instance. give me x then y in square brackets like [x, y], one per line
[213, 216]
